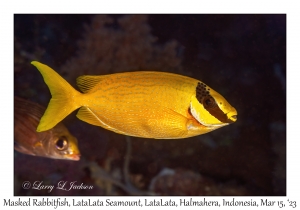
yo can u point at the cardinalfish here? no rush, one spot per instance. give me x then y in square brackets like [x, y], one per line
[56, 142]
[145, 104]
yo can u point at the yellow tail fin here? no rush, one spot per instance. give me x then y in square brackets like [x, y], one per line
[63, 100]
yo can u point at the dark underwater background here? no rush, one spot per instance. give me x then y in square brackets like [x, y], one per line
[243, 57]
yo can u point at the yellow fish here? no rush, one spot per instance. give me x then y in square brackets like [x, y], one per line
[143, 104]
[57, 143]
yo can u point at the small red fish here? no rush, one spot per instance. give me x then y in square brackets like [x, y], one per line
[55, 143]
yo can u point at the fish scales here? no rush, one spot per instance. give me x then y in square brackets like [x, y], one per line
[122, 97]
[144, 90]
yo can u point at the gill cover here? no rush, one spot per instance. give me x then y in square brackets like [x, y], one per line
[210, 108]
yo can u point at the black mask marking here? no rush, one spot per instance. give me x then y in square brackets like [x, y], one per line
[209, 103]
[202, 91]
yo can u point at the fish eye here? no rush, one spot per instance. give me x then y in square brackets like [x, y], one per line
[61, 143]
[209, 102]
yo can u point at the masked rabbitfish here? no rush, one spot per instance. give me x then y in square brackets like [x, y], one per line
[55, 143]
[144, 104]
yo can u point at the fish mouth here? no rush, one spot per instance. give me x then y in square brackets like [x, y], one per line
[232, 118]
[75, 157]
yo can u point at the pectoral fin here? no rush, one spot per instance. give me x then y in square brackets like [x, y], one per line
[87, 115]
[167, 124]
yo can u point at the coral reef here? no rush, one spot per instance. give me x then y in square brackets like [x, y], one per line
[185, 182]
[125, 44]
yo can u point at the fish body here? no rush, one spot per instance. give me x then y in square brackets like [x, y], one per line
[145, 104]
[55, 143]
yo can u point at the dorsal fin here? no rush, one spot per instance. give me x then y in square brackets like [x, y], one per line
[88, 82]
[21, 149]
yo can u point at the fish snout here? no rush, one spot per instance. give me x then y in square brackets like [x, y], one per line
[232, 117]
[73, 157]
